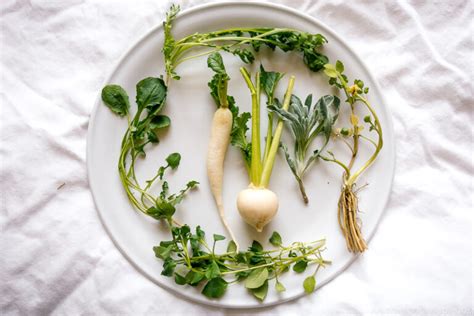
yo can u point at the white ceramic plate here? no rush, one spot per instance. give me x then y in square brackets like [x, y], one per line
[190, 108]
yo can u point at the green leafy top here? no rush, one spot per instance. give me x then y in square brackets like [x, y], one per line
[241, 42]
[218, 87]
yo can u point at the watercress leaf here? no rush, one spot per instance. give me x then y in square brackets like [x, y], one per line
[256, 246]
[261, 292]
[151, 94]
[185, 231]
[163, 252]
[116, 99]
[218, 237]
[256, 278]
[173, 160]
[330, 71]
[215, 288]
[168, 267]
[339, 66]
[152, 138]
[165, 209]
[193, 278]
[179, 279]
[159, 121]
[212, 271]
[231, 247]
[309, 284]
[200, 233]
[300, 266]
[279, 287]
[275, 239]
[192, 184]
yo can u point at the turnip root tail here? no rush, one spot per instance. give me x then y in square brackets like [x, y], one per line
[218, 144]
[348, 221]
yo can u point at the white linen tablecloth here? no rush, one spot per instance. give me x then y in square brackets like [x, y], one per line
[55, 256]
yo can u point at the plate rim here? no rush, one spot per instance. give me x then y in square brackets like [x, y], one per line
[267, 5]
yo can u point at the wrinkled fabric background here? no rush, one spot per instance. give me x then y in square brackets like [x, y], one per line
[55, 256]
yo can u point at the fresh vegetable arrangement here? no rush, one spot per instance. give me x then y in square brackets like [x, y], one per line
[188, 256]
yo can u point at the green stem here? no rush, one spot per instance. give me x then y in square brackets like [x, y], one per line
[378, 128]
[268, 164]
[268, 140]
[255, 163]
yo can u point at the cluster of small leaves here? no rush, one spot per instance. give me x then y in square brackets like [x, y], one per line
[165, 205]
[143, 127]
[151, 97]
[242, 42]
[306, 122]
[169, 43]
[338, 79]
[190, 260]
[353, 93]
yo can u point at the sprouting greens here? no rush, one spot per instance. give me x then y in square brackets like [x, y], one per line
[142, 130]
[191, 260]
[241, 42]
[348, 201]
[306, 122]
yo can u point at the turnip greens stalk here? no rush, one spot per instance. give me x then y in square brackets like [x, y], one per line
[348, 201]
[257, 204]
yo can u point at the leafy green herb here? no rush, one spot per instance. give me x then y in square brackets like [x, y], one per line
[173, 160]
[215, 288]
[275, 239]
[348, 201]
[300, 266]
[241, 42]
[256, 278]
[306, 122]
[116, 98]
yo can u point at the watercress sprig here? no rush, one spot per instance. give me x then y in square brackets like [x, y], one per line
[242, 42]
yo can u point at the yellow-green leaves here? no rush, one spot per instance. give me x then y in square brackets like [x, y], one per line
[309, 284]
[330, 71]
[261, 292]
[232, 247]
[256, 278]
[116, 99]
[279, 287]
